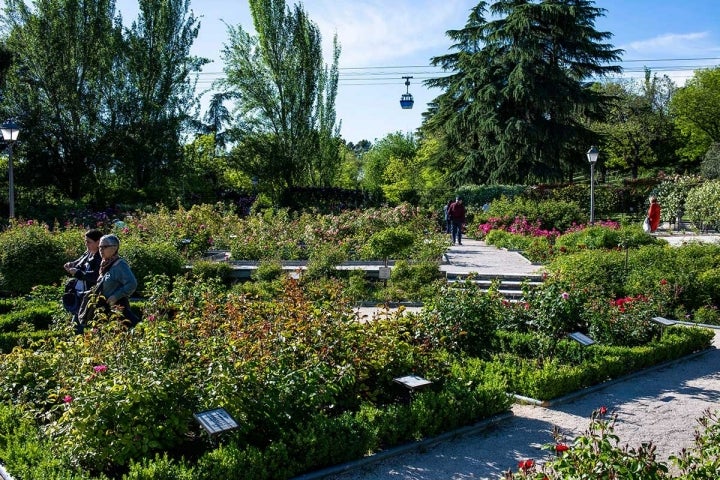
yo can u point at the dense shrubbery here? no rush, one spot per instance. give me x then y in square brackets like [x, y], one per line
[309, 384]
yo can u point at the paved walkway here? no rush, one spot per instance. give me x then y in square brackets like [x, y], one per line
[660, 405]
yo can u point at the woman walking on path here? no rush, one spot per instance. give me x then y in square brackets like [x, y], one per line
[117, 281]
[654, 214]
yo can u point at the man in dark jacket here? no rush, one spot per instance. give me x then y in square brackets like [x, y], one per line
[456, 212]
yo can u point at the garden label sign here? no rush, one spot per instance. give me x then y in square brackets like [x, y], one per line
[216, 421]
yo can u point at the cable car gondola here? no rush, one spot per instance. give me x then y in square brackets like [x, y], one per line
[406, 99]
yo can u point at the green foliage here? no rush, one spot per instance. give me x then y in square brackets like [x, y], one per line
[701, 461]
[503, 122]
[287, 125]
[637, 131]
[268, 270]
[413, 281]
[710, 167]
[322, 261]
[85, 125]
[601, 237]
[552, 214]
[23, 446]
[600, 270]
[478, 195]
[21, 265]
[37, 317]
[563, 372]
[695, 107]
[702, 205]
[672, 195]
[462, 318]
[510, 241]
[554, 308]
[148, 260]
[204, 269]
[394, 242]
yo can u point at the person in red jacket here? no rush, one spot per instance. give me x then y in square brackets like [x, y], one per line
[654, 213]
[456, 212]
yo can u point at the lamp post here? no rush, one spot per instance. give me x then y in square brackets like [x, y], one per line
[10, 131]
[592, 156]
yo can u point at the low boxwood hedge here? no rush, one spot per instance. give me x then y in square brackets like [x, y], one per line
[547, 378]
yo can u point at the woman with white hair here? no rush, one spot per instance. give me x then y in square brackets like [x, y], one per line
[116, 279]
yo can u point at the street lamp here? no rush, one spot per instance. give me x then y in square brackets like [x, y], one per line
[592, 156]
[10, 131]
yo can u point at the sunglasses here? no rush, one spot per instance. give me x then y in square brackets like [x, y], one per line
[101, 247]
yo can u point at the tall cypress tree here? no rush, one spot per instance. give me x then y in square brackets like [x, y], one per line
[511, 109]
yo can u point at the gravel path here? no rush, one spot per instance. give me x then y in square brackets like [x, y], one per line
[659, 405]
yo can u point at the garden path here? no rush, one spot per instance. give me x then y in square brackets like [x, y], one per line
[473, 256]
[660, 405]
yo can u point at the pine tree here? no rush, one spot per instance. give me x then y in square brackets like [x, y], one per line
[512, 107]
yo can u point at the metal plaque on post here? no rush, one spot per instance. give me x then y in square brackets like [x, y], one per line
[664, 321]
[581, 338]
[412, 382]
[216, 421]
[384, 273]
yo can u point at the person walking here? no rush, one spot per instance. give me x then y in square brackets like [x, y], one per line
[84, 271]
[654, 214]
[116, 279]
[448, 223]
[456, 212]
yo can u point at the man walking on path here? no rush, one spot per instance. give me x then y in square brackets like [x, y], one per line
[456, 213]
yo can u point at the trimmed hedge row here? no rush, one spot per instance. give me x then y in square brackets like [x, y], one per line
[546, 378]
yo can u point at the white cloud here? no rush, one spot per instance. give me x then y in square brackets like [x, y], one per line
[669, 43]
[374, 32]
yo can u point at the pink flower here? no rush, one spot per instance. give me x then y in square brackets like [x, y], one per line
[603, 410]
[67, 398]
[565, 295]
[151, 318]
[100, 368]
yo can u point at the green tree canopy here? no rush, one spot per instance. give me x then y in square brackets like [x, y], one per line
[637, 131]
[696, 108]
[512, 105]
[102, 106]
[285, 121]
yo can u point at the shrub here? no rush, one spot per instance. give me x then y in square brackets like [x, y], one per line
[413, 281]
[323, 260]
[29, 255]
[625, 321]
[710, 166]
[147, 260]
[702, 205]
[394, 242]
[203, 270]
[36, 317]
[552, 214]
[462, 318]
[510, 241]
[268, 270]
[672, 194]
[599, 270]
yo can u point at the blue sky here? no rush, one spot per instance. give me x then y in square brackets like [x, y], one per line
[384, 40]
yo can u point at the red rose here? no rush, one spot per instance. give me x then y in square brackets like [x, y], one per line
[526, 465]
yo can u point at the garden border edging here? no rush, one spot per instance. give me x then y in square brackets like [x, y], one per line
[405, 448]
